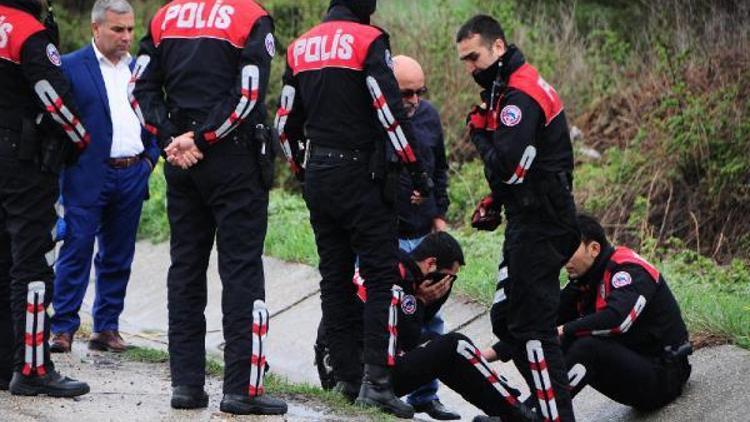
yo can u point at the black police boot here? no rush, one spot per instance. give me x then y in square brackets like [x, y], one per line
[189, 397]
[52, 384]
[240, 404]
[436, 410]
[348, 389]
[377, 391]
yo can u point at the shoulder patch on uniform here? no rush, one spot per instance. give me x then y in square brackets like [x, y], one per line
[621, 279]
[270, 44]
[53, 55]
[511, 115]
[409, 304]
[388, 59]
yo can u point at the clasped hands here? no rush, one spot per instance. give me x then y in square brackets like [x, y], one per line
[182, 151]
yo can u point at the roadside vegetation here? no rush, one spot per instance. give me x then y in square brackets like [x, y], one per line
[658, 91]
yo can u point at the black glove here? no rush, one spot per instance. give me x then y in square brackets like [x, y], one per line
[421, 182]
[487, 215]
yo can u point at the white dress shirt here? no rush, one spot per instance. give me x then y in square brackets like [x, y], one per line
[126, 129]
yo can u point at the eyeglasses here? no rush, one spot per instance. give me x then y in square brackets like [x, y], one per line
[408, 93]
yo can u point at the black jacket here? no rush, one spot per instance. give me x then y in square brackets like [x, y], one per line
[31, 81]
[530, 142]
[340, 92]
[416, 220]
[624, 297]
[214, 72]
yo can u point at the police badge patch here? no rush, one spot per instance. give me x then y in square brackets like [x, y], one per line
[510, 115]
[53, 55]
[270, 45]
[388, 59]
[409, 304]
[621, 279]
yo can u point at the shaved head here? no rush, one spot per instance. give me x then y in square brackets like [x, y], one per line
[408, 72]
[410, 79]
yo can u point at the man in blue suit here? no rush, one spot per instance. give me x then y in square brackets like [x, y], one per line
[103, 194]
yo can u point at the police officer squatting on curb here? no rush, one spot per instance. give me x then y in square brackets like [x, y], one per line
[40, 133]
[621, 328]
[199, 84]
[521, 134]
[426, 277]
[340, 93]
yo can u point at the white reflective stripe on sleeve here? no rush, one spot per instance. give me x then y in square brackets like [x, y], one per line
[285, 107]
[523, 166]
[141, 63]
[59, 112]
[499, 295]
[250, 80]
[640, 304]
[576, 374]
[392, 127]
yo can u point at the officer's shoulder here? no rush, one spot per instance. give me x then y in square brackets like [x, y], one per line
[627, 273]
[518, 98]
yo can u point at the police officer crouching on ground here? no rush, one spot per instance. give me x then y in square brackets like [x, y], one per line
[620, 325]
[39, 134]
[522, 136]
[340, 93]
[426, 277]
[201, 77]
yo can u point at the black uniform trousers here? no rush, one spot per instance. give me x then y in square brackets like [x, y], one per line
[27, 217]
[539, 240]
[624, 375]
[441, 358]
[350, 218]
[220, 197]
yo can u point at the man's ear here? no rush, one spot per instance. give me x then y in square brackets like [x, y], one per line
[595, 248]
[431, 264]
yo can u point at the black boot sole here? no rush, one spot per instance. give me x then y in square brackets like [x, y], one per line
[58, 349]
[403, 414]
[28, 390]
[189, 402]
[249, 409]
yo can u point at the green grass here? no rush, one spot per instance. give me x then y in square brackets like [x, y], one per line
[275, 384]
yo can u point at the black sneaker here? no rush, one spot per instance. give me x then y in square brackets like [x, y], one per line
[240, 404]
[436, 410]
[189, 397]
[52, 384]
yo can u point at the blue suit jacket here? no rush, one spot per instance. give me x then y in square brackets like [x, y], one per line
[82, 183]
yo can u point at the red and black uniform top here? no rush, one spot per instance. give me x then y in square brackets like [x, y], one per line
[31, 80]
[624, 297]
[203, 61]
[527, 134]
[340, 92]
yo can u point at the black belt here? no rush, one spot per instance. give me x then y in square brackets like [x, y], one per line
[317, 151]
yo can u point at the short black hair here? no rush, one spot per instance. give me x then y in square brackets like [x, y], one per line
[442, 246]
[486, 26]
[591, 230]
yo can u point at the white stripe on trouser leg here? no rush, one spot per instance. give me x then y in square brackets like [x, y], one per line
[396, 294]
[544, 392]
[474, 356]
[258, 357]
[34, 334]
[576, 374]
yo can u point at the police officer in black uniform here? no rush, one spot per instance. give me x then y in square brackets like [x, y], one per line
[620, 324]
[522, 136]
[340, 93]
[426, 277]
[201, 79]
[39, 133]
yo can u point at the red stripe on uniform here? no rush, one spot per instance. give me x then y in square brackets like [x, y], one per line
[260, 330]
[41, 371]
[541, 366]
[210, 137]
[379, 102]
[30, 308]
[152, 129]
[26, 369]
